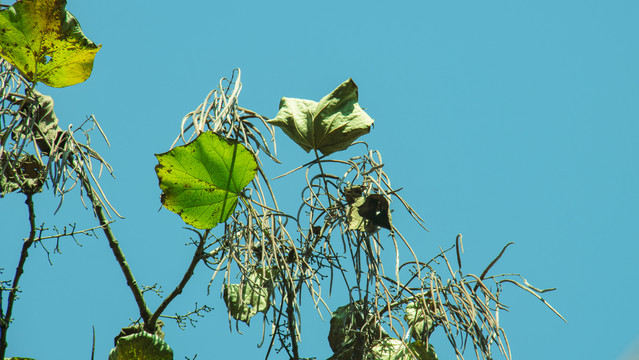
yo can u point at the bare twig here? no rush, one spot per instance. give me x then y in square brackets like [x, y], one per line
[149, 325]
[528, 289]
[180, 319]
[88, 232]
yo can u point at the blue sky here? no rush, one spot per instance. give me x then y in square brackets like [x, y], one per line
[501, 120]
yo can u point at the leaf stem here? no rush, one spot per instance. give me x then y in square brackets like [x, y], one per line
[5, 319]
[319, 162]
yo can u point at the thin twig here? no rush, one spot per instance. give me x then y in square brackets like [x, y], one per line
[149, 325]
[73, 233]
[535, 295]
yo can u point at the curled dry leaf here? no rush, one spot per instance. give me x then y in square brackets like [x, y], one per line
[330, 125]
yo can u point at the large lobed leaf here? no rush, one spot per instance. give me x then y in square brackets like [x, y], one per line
[201, 181]
[141, 346]
[45, 42]
[331, 125]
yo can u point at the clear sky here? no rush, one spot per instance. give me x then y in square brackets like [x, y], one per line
[501, 120]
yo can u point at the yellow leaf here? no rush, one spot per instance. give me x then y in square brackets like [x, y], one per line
[45, 42]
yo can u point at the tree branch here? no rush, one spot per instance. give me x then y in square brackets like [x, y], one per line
[5, 319]
[149, 326]
[290, 307]
[145, 313]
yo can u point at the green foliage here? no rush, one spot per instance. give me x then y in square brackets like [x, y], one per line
[45, 42]
[201, 181]
[331, 125]
[353, 328]
[421, 323]
[141, 346]
[395, 349]
[422, 351]
[245, 300]
[356, 334]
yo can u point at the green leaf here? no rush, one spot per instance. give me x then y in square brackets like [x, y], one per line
[395, 349]
[331, 125]
[423, 352]
[419, 319]
[141, 346]
[45, 42]
[201, 181]
[245, 300]
[18, 358]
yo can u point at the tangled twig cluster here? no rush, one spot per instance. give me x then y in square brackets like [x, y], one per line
[35, 151]
[270, 258]
[336, 230]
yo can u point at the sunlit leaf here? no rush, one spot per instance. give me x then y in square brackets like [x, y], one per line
[45, 42]
[245, 300]
[201, 181]
[141, 346]
[331, 125]
[423, 352]
[395, 349]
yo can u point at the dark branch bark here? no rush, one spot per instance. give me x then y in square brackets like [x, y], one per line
[5, 319]
[290, 312]
[145, 313]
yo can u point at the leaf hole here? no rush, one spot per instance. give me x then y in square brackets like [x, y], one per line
[47, 59]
